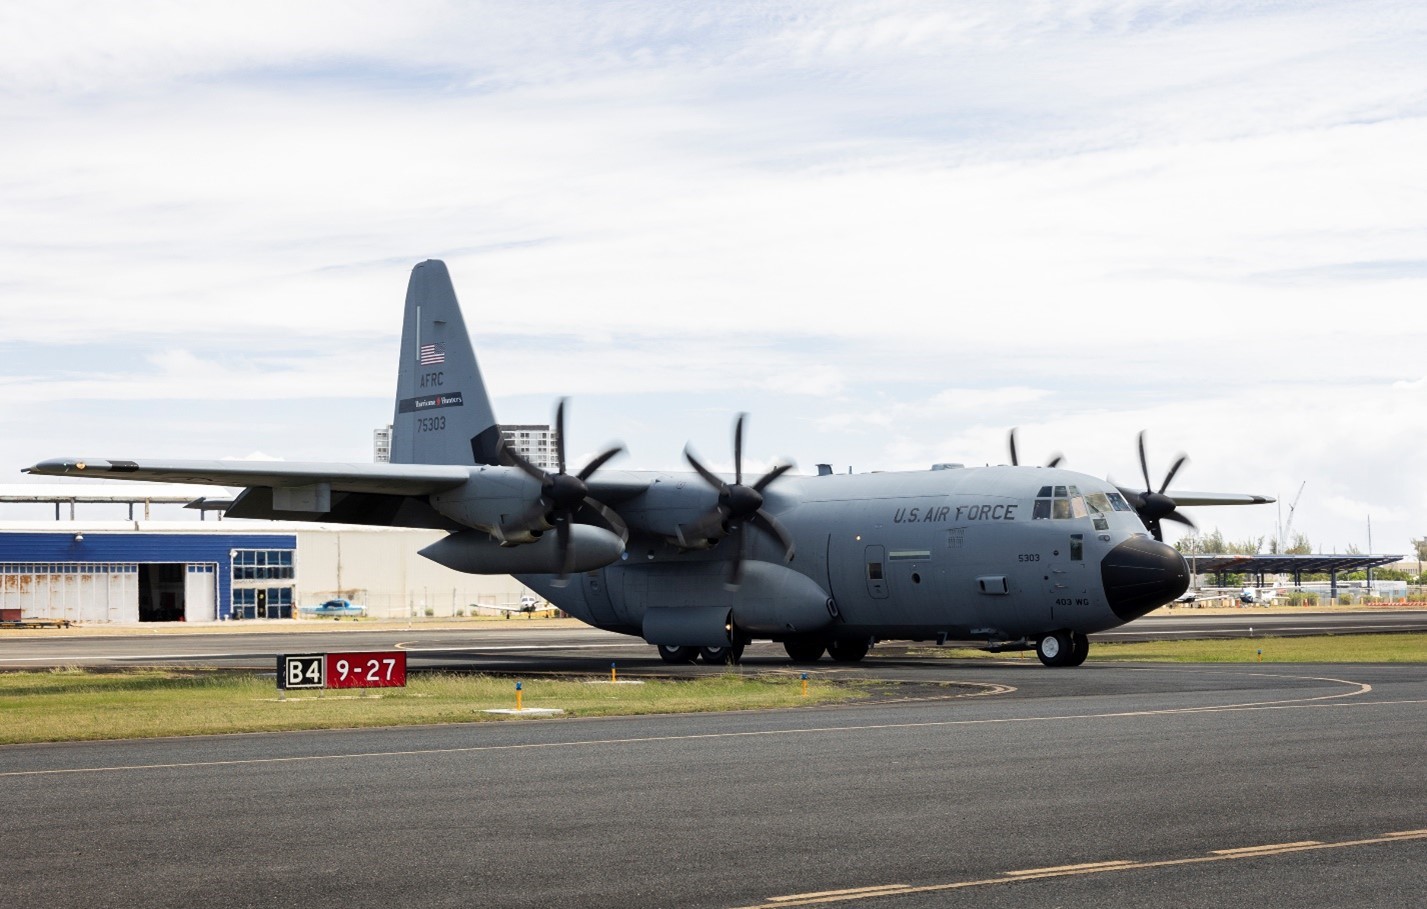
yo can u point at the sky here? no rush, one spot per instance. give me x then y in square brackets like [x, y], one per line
[889, 232]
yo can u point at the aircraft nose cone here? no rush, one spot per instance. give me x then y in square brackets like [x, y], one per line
[1142, 574]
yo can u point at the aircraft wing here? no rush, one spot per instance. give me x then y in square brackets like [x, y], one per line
[1217, 498]
[382, 495]
[380, 479]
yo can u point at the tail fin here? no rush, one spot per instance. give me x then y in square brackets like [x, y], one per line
[443, 415]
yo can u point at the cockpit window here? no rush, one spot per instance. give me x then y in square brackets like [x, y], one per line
[1099, 503]
[1118, 502]
[1060, 503]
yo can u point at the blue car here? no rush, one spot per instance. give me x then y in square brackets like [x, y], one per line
[335, 609]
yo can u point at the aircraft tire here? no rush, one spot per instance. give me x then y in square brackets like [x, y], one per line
[802, 650]
[1056, 649]
[1079, 648]
[848, 651]
[672, 653]
[722, 656]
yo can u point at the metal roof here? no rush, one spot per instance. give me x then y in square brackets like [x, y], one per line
[1287, 564]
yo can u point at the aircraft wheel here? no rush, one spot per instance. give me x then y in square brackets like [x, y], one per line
[671, 653]
[804, 651]
[1056, 649]
[724, 656]
[848, 651]
[1079, 648]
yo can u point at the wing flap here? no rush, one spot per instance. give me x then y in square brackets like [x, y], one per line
[368, 509]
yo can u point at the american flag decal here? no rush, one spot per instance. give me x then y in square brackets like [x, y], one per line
[431, 354]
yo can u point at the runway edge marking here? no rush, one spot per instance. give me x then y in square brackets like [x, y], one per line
[1084, 870]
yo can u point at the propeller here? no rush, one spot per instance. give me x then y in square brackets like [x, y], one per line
[738, 506]
[562, 496]
[1054, 461]
[1153, 506]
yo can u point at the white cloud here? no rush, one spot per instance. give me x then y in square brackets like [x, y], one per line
[893, 230]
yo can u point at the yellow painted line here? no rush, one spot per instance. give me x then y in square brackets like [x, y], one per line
[1070, 869]
[882, 890]
[1250, 850]
[1014, 877]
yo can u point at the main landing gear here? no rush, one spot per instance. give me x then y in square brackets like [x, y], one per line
[804, 650]
[1063, 648]
[671, 653]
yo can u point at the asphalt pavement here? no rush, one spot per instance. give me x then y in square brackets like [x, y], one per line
[1109, 785]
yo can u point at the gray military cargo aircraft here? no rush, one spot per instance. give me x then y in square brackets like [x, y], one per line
[700, 564]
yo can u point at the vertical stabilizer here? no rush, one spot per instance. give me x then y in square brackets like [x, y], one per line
[443, 415]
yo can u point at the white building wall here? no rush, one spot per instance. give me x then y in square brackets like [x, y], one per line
[379, 568]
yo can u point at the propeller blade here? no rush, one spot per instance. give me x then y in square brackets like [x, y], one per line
[770, 476]
[599, 462]
[738, 450]
[1144, 462]
[560, 435]
[567, 552]
[1015, 461]
[704, 472]
[735, 570]
[1172, 471]
[1177, 517]
[615, 522]
[769, 524]
[510, 456]
[1055, 460]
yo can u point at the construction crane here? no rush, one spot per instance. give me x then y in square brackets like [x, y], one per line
[1286, 529]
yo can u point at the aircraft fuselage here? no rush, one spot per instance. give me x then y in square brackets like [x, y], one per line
[998, 554]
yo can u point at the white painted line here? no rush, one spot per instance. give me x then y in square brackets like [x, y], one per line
[526, 711]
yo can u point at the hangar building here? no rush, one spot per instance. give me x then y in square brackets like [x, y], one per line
[165, 571]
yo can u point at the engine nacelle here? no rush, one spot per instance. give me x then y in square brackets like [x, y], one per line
[476, 552]
[489, 498]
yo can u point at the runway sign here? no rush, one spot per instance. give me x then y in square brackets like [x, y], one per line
[367, 669]
[303, 670]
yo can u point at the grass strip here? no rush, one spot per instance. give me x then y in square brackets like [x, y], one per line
[82, 705]
[1348, 648]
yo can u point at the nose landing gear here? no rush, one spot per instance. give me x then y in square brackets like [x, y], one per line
[1063, 648]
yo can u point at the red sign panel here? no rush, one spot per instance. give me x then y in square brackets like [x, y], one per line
[367, 669]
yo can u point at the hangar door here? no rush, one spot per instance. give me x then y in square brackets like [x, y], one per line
[77, 591]
[200, 593]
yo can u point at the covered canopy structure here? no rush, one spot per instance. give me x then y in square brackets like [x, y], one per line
[1295, 565]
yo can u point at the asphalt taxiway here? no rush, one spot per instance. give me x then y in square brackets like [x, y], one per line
[1111, 785]
[496, 646]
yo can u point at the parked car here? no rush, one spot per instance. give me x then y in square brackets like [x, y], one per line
[335, 609]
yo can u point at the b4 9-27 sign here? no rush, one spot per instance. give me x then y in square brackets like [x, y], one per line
[382, 669]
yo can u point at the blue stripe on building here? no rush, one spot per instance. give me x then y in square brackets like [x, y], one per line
[17, 549]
